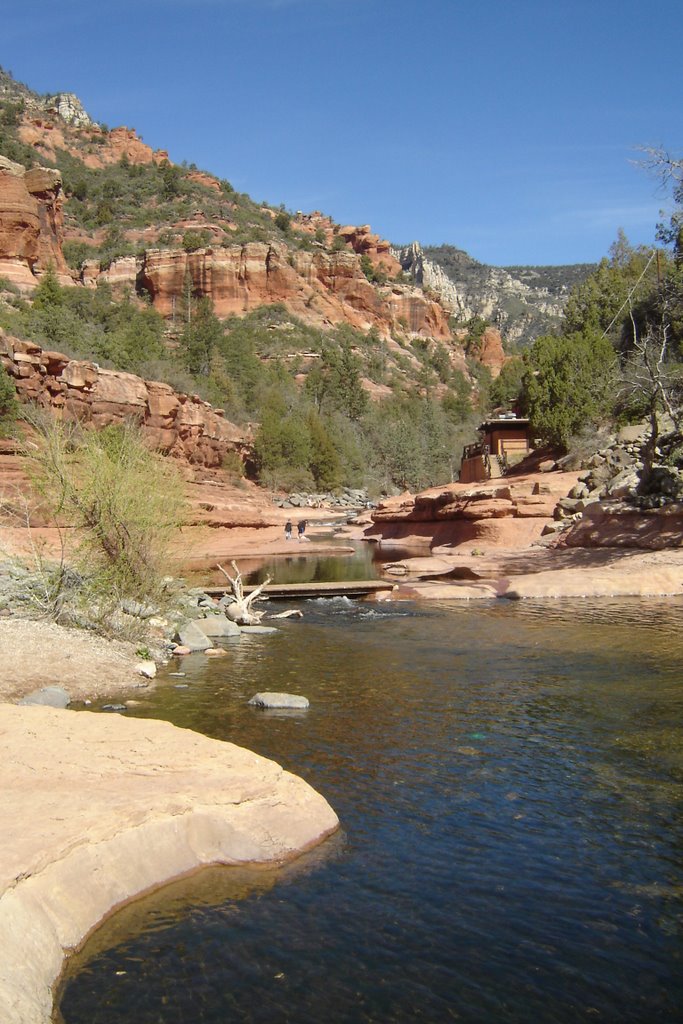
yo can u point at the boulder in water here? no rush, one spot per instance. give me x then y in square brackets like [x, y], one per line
[48, 696]
[279, 700]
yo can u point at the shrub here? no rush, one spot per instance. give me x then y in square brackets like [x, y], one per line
[283, 221]
[8, 403]
[123, 500]
[193, 240]
[569, 383]
[76, 253]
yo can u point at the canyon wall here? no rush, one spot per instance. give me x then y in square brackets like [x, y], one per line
[322, 288]
[31, 224]
[175, 424]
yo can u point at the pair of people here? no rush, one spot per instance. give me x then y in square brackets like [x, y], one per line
[300, 530]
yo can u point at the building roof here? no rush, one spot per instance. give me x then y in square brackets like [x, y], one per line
[505, 421]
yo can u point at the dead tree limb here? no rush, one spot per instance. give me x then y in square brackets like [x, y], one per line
[239, 610]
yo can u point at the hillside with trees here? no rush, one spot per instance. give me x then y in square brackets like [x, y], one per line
[522, 301]
[382, 394]
[386, 406]
[618, 357]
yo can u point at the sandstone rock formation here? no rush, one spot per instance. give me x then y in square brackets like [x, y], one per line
[322, 288]
[489, 352]
[119, 806]
[31, 223]
[507, 513]
[180, 425]
[616, 524]
[378, 250]
[207, 180]
[360, 239]
[99, 148]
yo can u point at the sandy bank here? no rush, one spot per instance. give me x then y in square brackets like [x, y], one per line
[35, 654]
[118, 806]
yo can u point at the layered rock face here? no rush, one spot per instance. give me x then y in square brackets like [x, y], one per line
[322, 288]
[506, 514]
[31, 223]
[358, 238]
[179, 425]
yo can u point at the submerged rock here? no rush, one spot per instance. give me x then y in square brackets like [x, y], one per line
[279, 700]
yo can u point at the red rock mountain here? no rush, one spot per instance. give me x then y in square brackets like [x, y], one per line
[324, 284]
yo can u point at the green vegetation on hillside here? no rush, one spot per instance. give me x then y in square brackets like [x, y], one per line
[317, 427]
[88, 324]
[558, 279]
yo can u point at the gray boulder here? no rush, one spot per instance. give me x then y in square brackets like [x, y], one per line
[191, 636]
[279, 700]
[217, 626]
[48, 696]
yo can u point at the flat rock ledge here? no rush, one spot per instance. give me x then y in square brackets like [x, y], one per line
[97, 809]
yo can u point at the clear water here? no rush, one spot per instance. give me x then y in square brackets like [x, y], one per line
[509, 778]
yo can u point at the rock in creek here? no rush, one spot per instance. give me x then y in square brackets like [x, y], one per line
[191, 636]
[49, 696]
[279, 700]
[217, 625]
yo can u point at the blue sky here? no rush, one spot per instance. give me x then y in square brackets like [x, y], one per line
[508, 129]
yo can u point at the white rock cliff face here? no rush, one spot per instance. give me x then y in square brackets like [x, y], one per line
[70, 109]
[117, 807]
[493, 293]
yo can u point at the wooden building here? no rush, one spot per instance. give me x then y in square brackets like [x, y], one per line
[504, 441]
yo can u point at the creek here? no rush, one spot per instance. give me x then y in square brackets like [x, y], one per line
[509, 778]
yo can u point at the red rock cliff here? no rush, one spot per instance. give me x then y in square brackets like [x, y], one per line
[322, 288]
[31, 223]
[176, 424]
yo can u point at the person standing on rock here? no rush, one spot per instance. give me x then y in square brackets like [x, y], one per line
[301, 529]
[288, 530]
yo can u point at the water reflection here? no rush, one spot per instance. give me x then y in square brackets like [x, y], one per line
[510, 781]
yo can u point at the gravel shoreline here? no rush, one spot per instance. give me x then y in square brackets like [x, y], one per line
[35, 653]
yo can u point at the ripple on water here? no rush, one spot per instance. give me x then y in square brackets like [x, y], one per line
[509, 783]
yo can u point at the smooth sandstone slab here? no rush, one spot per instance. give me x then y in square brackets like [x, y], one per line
[96, 809]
